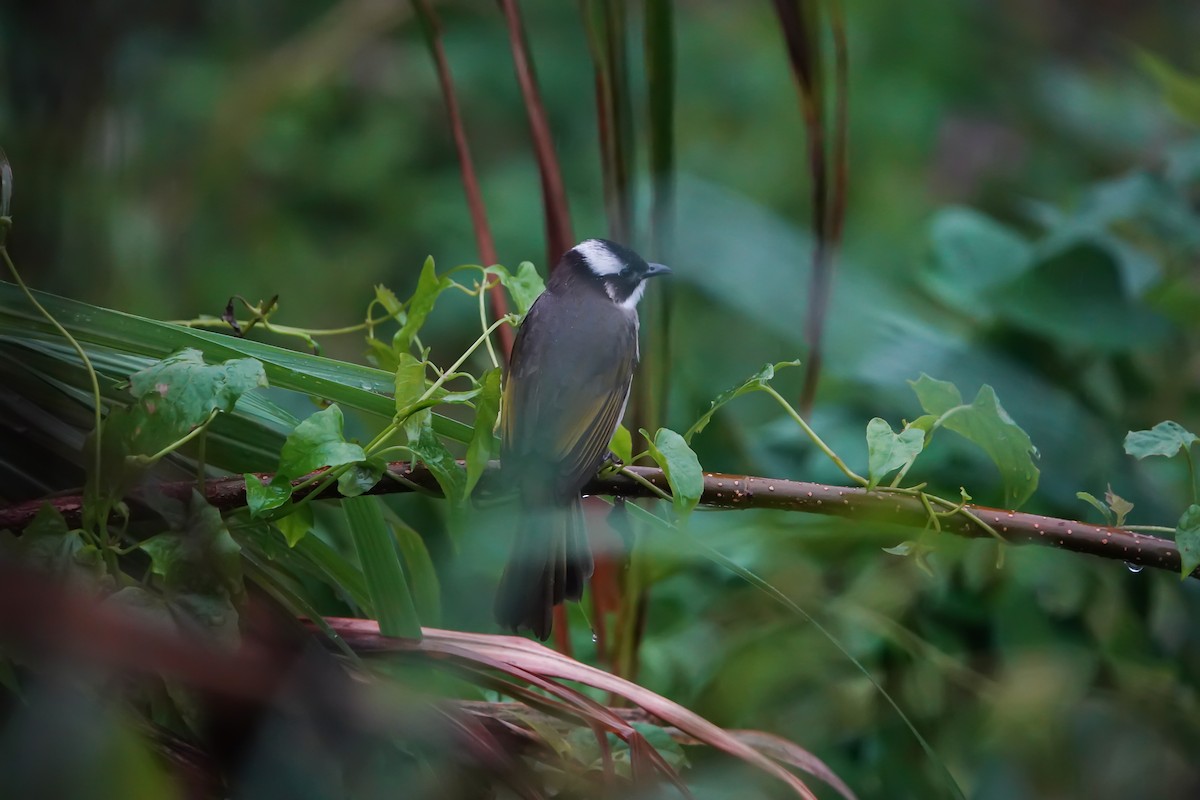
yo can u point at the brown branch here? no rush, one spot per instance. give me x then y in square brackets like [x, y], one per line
[466, 167]
[559, 237]
[729, 492]
[799, 24]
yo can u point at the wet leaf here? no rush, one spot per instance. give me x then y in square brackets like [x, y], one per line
[985, 423]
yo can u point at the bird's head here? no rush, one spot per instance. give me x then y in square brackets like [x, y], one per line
[622, 272]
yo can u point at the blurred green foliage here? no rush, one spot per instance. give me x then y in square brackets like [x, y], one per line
[1023, 213]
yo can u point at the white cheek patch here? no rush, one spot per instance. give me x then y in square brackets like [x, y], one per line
[598, 257]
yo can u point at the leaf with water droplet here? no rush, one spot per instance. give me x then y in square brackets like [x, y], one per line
[985, 423]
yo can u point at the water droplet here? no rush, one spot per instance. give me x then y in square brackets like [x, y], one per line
[595, 637]
[1134, 568]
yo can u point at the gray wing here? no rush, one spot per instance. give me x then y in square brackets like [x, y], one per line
[566, 393]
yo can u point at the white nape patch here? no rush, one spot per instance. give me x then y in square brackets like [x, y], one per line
[598, 257]
[629, 303]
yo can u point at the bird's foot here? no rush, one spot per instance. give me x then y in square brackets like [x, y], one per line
[611, 462]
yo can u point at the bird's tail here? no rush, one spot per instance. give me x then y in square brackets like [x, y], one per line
[550, 562]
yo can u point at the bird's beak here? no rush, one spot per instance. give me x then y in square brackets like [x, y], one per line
[657, 269]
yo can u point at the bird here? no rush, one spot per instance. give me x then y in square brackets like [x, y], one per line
[564, 395]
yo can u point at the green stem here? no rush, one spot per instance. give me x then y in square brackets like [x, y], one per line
[1187, 455]
[282, 330]
[933, 515]
[200, 461]
[87, 362]
[197, 431]
[453, 368]
[824, 448]
[483, 324]
[639, 479]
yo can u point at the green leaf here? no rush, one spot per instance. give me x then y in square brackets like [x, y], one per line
[350, 385]
[888, 451]
[144, 604]
[361, 477]
[1187, 539]
[524, 287]
[443, 397]
[987, 424]
[335, 569]
[410, 385]
[450, 476]
[381, 354]
[429, 286]
[1072, 297]
[483, 440]
[621, 445]
[381, 567]
[1119, 505]
[936, 397]
[1091, 500]
[973, 254]
[182, 390]
[296, 524]
[1164, 439]
[201, 569]
[681, 467]
[48, 546]
[173, 397]
[263, 497]
[426, 589]
[391, 304]
[318, 442]
[752, 384]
